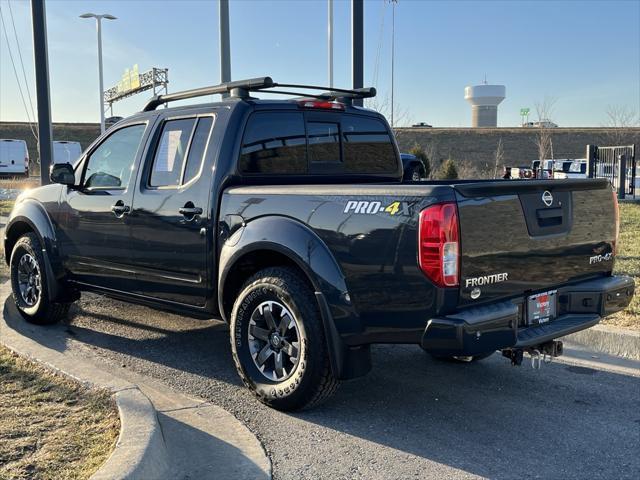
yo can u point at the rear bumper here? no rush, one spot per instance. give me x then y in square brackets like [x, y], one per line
[503, 325]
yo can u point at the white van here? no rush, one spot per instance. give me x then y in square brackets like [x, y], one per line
[65, 151]
[14, 157]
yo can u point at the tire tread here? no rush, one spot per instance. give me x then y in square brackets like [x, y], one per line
[290, 281]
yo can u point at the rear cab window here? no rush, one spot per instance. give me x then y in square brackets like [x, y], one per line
[274, 143]
[316, 142]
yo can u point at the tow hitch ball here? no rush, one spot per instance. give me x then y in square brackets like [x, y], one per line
[539, 353]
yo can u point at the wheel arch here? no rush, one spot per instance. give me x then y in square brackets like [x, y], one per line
[276, 240]
[282, 241]
[30, 216]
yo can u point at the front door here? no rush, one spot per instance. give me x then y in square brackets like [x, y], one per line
[171, 222]
[94, 232]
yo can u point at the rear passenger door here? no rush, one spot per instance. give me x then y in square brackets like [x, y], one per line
[171, 221]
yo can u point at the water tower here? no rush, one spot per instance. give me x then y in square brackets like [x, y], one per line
[484, 100]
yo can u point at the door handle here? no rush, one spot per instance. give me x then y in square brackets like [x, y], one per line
[190, 212]
[119, 209]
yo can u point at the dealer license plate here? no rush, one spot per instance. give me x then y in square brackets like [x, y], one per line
[541, 308]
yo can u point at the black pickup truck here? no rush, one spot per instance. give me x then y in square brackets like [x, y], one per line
[288, 219]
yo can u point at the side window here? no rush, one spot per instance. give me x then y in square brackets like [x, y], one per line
[324, 141]
[367, 146]
[109, 165]
[171, 152]
[197, 149]
[274, 142]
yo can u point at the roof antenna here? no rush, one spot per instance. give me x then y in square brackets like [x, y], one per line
[485, 79]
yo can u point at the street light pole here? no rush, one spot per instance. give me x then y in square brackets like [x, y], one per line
[357, 46]
[100, 76]
[393, 57]
[41, 61]
[225, 43]
[330, 40]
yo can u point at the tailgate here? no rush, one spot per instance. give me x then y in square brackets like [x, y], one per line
[519, 237]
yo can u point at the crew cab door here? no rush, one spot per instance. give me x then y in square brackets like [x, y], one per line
[171, 222]
[94, 231]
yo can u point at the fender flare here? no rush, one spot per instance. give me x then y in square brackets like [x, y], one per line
[305, 248]
[32, 214]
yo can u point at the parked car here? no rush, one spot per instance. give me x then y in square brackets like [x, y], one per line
[14, 157]
[111, 121]
[65, 151]
[540, 124]
[288, 219]
[572, 169]
[413, 169]
[521, 172]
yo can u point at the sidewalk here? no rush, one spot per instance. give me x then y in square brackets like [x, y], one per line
[164, 433]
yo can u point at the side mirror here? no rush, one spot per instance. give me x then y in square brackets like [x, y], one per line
[62, 173]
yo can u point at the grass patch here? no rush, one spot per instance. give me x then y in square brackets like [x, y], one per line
[51, 427]
[628, 263]
[5, 207]
[4, 268]
[19, 183]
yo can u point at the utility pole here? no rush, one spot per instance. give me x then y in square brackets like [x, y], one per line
[225, 44]
[393, 55]
[330, 39]
[357, 46]
[41, 59]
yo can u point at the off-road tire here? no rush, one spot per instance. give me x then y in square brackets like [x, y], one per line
[312, 381]
[43, 312]
[415, 174]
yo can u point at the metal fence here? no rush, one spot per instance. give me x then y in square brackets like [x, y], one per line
[618, 165]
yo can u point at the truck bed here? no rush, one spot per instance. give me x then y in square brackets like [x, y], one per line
[372, 232]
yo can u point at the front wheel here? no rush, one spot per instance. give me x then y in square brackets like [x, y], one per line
[29, 283]
[278, 343]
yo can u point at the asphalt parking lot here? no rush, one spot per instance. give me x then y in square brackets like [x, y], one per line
[411, 417]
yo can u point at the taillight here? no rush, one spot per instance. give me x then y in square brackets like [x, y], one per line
[439, 248]
[321, 104]
[616, 210]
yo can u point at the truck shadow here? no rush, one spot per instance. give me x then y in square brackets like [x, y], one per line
[486, 418]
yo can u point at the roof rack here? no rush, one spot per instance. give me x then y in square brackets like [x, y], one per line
[241, 89]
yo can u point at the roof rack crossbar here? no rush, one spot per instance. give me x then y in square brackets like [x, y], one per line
[249, 84]
[332, 92]
[241, 88]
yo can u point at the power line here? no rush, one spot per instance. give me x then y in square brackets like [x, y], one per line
[15, 72]
[24, 73]
[376, 67]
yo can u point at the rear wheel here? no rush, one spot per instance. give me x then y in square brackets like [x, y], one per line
[278, 342]
[416, 173]
[29, 283]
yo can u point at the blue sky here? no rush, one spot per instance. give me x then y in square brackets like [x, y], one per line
[586, 54]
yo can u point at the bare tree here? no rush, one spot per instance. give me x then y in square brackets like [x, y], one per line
[620, 119]
[499, 154]
[383, 105]
[544, 110]
[432, 154]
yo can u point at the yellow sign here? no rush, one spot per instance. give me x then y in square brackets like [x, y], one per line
[130, 80]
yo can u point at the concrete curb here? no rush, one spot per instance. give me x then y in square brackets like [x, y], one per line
[140, 451]
[164, 434]
[610, 340]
